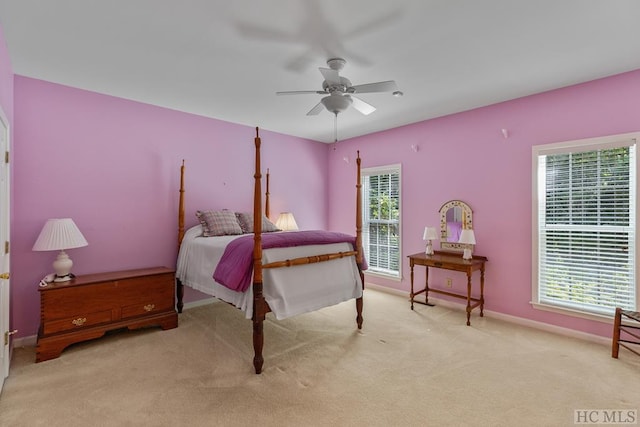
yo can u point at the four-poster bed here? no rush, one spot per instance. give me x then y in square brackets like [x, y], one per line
[324, 271]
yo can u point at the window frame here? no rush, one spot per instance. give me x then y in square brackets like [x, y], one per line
[576, 146]
[380, 170]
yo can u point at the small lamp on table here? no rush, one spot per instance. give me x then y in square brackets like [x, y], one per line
[286, 222]
[60, 234]
[468, 239]
[429, 235]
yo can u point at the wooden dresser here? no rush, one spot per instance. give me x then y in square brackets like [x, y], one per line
[86, 307]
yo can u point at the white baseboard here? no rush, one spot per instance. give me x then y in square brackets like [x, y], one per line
[504, 317]
[29, 341]
[200, 302]
[32, 340]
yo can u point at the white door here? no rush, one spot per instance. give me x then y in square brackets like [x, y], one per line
[4, 249]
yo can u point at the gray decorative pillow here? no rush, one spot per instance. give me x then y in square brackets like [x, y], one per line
[218, 223]
[245, 219]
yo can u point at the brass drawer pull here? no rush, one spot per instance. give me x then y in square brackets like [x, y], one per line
[149, 307]
[79, 321]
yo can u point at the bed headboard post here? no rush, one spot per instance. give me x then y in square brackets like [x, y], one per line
[359, 257]
[181, 207]
[266, 201]
[257, 216]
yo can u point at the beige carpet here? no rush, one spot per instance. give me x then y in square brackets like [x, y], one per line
[406, 368]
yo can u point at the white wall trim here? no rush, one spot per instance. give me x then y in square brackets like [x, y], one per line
[558, 330]
[31, 340]
[200, 302]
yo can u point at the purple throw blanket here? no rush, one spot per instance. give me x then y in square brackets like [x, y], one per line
[235, 268]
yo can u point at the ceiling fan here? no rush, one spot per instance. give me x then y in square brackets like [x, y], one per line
[341, 93]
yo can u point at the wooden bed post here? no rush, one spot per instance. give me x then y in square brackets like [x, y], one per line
[179, 285]
[266, 201]
[260, 306]
[259, 303]
[360, 255]
[181, 207]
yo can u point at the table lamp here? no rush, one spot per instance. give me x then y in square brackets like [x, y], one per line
[429, 235]
[60, 234]
[468, 239]
[286, 222]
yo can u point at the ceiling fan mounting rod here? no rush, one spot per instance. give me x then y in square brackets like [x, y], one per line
[336, 63]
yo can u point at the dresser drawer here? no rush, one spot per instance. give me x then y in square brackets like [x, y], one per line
[145, 291]
[144, 308]
[76, 322]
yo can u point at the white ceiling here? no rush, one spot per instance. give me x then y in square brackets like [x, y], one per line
[226, 59]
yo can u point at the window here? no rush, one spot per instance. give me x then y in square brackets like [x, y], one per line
[381, 219]
[584, 226]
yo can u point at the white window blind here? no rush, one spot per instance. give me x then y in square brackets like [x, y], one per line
[586, 226]
[381, 219]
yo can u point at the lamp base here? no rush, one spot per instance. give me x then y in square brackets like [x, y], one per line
[429, 249]
[467, 254]
[62, 266]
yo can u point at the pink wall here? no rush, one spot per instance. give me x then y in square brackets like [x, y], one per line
[465, 156]
[113, 166]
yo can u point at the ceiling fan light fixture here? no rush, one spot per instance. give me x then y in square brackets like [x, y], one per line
[336, 103]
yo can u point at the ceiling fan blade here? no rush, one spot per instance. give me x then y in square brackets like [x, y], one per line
[301, 92]
[316, 110]
[388, 86]
[360, 105]
[331, 76]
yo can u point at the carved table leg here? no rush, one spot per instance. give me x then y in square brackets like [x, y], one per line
[411, 294]
[468, 299]
[359, 312]
[482, 291]
[426, 285]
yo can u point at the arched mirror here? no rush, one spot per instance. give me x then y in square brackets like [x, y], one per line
[455, 216]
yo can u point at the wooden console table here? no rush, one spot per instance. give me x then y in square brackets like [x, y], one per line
[450, 261]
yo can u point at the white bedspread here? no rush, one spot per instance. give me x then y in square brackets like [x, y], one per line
[288, 291]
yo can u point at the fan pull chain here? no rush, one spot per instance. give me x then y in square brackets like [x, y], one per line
[335, 130]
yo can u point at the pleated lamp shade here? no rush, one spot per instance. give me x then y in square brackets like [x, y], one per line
[59, 234]
[286, 222]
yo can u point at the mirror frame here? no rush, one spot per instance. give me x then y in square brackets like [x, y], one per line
[467, 223]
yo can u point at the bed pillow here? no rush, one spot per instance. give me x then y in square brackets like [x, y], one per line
[218, 223]
[245, 219]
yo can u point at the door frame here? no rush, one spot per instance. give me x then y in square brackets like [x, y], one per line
[5, 221]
